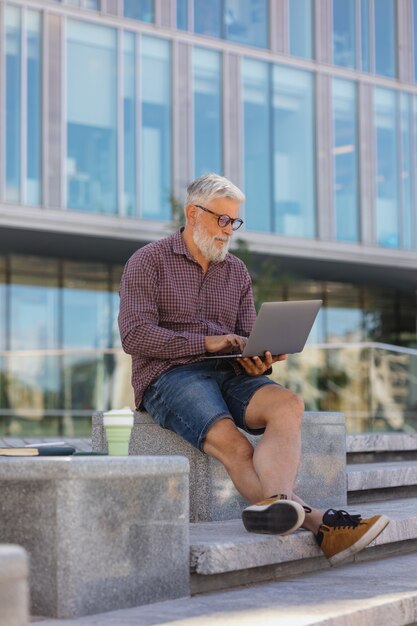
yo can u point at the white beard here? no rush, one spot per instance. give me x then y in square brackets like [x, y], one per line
[207, 245]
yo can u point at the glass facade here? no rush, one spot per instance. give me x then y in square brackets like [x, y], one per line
[108, 115]
[91, 119]
[207, 89]
[142, 10]
[344, 33]
[364, 35]
[301, 28]
[156, 129]
[129, 125]
[278, 145]
[345, 165]
[242, 21]
[387, 188]
[13, 125]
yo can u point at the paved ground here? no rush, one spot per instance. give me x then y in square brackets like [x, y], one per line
[377, 593]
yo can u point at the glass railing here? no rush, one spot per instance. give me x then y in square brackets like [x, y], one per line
[373, 384]
[50, 392]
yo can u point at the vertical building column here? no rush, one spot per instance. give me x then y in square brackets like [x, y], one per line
[53, 111]
[232, 119]
[112, 7]
[404, 40]
[324, 160]
[323, 16]
[182, 132]
[164, 13]
[278, 26]
[366, 163]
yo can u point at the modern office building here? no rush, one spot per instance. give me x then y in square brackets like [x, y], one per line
[109, 107]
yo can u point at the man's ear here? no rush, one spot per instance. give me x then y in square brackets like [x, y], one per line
[191, 213]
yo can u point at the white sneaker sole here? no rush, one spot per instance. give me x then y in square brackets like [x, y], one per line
[364, 541]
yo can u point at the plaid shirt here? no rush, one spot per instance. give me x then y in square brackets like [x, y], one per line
[168, 306]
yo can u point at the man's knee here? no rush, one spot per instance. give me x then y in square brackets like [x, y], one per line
[227, 444]
[273, 406]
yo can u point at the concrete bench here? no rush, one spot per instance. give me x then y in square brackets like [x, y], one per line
[321, 477]
[14, 589]
[102, 533]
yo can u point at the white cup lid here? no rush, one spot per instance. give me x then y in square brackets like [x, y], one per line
[124, 412]
[114, 420]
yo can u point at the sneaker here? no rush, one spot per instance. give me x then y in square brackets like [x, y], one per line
[273, 516]
[341, 535]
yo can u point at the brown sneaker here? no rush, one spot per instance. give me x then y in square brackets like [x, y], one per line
[341, 535]
[273, 516]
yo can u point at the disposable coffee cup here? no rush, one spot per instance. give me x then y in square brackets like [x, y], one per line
[118, 425]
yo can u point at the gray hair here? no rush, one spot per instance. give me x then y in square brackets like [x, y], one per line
[210, 186]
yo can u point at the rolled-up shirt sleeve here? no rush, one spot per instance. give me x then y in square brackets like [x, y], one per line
[246, 313]
[139, 324]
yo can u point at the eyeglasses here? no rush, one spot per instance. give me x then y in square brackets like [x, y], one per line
[223, 220]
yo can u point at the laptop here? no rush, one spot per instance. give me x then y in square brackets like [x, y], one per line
[280, 328]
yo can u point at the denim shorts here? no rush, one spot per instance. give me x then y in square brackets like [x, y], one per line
[188, 399]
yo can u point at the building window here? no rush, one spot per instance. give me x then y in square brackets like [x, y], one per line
[156, 180]
[257, 145]
[344, 33]
[300, 28]
[414, 27]
[182, 14]
[345, 166]
[387, 196]
[34, 108]
[129, 125]
[207, 89]
[293, 152]
[13, 103]
[92, 118]
[365, 36]
[352, 32]
[243, 21]
[142, 10]
[385, 40]
[405, 175]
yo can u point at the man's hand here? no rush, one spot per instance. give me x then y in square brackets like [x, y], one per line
[225, 343]
[256, 365]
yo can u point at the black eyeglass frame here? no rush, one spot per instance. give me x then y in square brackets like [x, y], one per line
[223, 220]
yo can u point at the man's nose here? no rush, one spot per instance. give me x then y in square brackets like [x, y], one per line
[228, 229]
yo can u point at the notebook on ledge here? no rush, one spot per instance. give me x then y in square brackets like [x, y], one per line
[280, 328]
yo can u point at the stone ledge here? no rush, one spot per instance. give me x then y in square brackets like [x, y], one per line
[221, 547]
[321, 478]
[381, 475]
[381, 442]
[14, 589]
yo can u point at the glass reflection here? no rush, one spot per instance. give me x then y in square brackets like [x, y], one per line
[293, 152]
[344, 33]
[92, 118]
[385, 39]
[257, 144]
[387, 199]
[156, 128]
[129, 125]
[13, 103]
[182, 14]
[142, 10]
[208, 17]
[365, 36]
[345, 161]
[414, 33]
[33, 107]
[405, 176]
[300, 28]
[246, 21]
[207, 88]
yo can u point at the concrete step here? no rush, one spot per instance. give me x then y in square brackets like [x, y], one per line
[377, 447]
[224, 555]
[369, 482]
[377, 593]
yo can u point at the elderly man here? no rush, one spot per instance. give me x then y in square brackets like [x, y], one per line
[186, 297]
